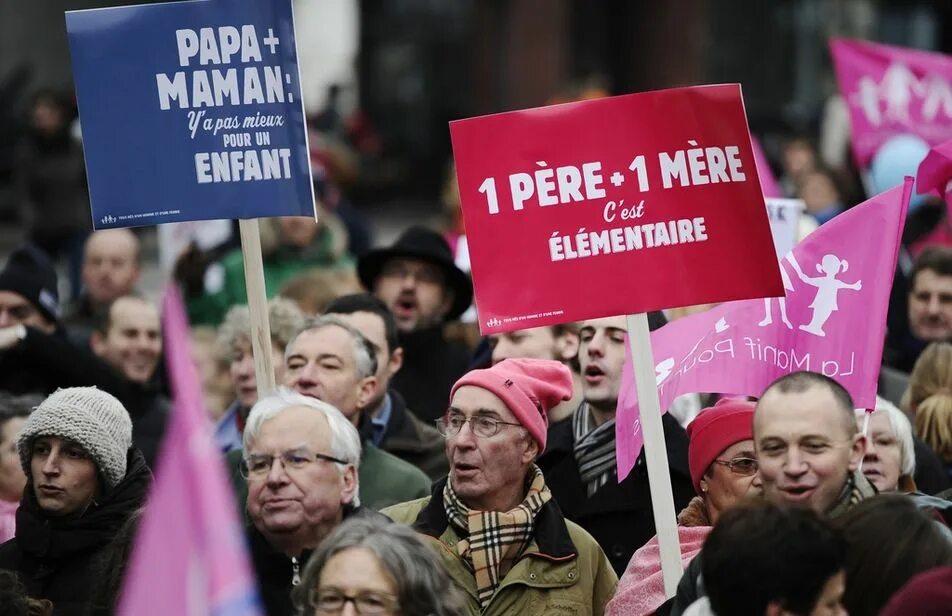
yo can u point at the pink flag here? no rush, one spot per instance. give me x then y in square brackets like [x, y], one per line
[892, 91]
[190, 556]
[935, 172]
[832, 321]
[768, 183]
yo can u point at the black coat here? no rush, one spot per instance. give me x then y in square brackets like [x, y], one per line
[618, 516]
[41, 363]
[55, 558]
[275, 570]
[431, 366]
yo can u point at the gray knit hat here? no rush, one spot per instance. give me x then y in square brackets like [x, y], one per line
[89, 417]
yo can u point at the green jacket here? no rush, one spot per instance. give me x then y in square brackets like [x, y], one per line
[561, 572]
[384, 478]
[279, 267]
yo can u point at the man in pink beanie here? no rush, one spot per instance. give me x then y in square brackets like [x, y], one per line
[493, 520]
[723, 471]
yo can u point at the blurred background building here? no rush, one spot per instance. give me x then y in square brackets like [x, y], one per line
[382, 78]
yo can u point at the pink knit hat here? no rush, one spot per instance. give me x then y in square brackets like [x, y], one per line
[529, 387]
[715, 429]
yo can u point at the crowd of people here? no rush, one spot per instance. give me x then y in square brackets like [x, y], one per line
[361, 491]
[405, 465]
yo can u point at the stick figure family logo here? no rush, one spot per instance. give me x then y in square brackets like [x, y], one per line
[889, 99]
[494, 322]
[824, 303]
[108, 219]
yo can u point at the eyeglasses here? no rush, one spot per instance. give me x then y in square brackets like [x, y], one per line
[332, 601]
[260, 465]
[740, 466]
[482, 426]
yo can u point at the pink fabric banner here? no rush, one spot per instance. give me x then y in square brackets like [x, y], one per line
[892, 91]
[190, 556]
[768, 183]
[935, 171]
[832, 321]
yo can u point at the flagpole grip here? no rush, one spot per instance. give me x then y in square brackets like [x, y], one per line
[257, 305]
[656, 457]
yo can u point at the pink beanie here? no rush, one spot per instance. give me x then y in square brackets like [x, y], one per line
[529, 387]
[715, 429]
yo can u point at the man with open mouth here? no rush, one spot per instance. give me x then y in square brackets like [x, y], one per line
[580, 461]
[808, 447]
[424, 289]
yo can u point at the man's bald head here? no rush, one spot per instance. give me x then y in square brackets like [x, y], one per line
[110, 265]
[800, 382]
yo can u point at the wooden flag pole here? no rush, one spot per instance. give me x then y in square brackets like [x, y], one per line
[257, 305]
[656, 457]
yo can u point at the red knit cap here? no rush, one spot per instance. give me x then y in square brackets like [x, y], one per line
[715, 429]
[529, 387]
[927, 594]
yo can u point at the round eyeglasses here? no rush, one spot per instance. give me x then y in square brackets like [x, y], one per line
[482, 426]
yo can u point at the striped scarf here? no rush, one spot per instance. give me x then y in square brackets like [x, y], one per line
[594, 449]
[494, 539]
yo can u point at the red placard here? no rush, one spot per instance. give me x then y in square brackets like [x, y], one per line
[613, 206]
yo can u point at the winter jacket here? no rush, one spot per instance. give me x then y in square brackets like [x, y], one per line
[691, 586]
[414, 441]
[41, 363]
[386, 479]
[618, 515]
[561, 572]
[431, 366]
[641, 588]
[55, 557]
[283, 264]
[278, 573]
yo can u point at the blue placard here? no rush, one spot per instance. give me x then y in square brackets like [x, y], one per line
[191, 111]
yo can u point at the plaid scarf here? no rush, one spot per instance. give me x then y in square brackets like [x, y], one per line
[495, 539]
[594, 449]
[856, 490]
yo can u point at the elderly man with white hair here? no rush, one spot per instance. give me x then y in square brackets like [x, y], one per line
[300, 462]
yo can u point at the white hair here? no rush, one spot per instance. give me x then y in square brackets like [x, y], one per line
[900, 424]
[365, 358]
[345, 441]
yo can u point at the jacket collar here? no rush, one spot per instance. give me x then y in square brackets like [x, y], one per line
[550, 533]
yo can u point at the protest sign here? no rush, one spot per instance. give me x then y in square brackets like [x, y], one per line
[175, 237]
[612, 206]
[190, 555]
[831, 321]
[768, 183]
[891, 91]
[616, 206]
[784, 216]
[190, 111]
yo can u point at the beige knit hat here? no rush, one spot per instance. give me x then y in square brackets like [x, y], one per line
[90, 417]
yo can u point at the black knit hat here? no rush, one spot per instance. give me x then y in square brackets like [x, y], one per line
[426, 245]
[29, 273]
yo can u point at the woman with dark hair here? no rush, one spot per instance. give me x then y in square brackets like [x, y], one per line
[381, 568]
[889, 540]
[762, 558]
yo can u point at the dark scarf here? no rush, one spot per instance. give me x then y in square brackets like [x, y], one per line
[594, 449]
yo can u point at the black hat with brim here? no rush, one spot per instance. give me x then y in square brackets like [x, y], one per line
[426, 245]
